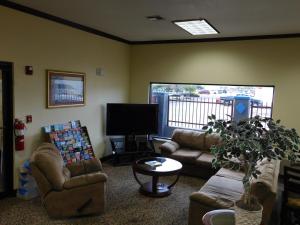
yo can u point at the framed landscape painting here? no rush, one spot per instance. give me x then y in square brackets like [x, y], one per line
[65, 89]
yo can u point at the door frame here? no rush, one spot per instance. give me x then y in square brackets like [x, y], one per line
[8, 120]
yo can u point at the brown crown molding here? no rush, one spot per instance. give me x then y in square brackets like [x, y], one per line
[60, 20]
[240, 38]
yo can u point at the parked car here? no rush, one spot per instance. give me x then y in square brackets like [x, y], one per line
[256, 102]
[204, 91]
[226, 100]
[175, 96]
[189, 95]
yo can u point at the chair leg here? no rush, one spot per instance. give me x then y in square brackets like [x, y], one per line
[297, 218]
[289, 217]
[282, 219]
[283, 216]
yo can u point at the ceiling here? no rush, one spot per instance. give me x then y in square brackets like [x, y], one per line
[127, 18]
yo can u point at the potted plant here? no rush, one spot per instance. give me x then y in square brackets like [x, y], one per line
[244, 144]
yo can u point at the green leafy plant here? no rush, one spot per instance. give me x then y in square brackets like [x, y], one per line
[248, 141]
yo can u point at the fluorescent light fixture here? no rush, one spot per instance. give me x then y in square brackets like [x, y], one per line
[196, 27]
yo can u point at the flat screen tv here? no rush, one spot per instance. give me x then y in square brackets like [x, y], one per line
[131, 119]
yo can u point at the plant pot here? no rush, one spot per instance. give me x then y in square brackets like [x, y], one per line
[247, 217]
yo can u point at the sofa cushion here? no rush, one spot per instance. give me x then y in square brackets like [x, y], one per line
[231, 174]
[219, 192]
[85, 166]
[168, 147]
[185, 155]
[205, 159]
[210, 140]
[189, 138]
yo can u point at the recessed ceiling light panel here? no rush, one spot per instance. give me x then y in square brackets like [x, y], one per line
[196, 27]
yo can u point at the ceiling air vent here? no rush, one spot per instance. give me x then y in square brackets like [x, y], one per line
[154, 18]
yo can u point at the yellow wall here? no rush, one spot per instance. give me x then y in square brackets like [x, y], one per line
[29, 40]
[264, 62]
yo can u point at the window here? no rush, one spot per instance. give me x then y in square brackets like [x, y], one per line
[189, 105]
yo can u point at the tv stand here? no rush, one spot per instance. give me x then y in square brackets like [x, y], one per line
[130, 148]
[130, 144]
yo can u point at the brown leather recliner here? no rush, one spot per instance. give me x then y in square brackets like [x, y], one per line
[66, 191]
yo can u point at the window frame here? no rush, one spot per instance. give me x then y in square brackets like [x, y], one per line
[150, 92]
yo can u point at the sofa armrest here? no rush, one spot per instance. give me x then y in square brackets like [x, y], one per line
[196, 212]
[201, 203]
[84, 167]
[211, 201]
[84, 180]
[169, 147]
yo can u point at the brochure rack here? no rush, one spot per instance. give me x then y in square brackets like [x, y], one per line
[72, 140]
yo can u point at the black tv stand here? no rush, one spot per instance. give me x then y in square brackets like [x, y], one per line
[130, 148]
[130, 144]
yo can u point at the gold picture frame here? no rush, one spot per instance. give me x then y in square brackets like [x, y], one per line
[65, 89]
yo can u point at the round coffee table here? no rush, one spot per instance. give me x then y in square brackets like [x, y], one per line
[156, 167]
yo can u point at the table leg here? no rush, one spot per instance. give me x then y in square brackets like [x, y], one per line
[171, 185]
[154, 183]
[135, 176]
[153, 188]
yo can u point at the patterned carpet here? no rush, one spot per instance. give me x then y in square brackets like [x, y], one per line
[125, 205]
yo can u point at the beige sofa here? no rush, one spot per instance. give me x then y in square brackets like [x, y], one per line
[192, 149]
[226, 186]
[75, 190]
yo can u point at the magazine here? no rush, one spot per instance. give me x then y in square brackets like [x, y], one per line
[153, 163]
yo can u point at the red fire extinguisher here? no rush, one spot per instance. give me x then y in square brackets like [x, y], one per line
[19, 128]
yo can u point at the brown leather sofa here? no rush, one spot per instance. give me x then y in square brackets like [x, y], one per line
[73, 190]
[226, 187]
[192, 149]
